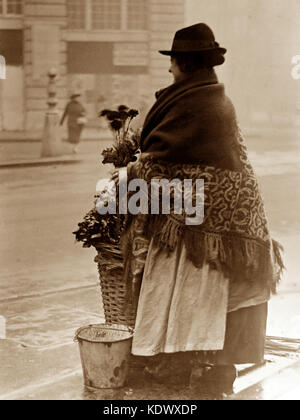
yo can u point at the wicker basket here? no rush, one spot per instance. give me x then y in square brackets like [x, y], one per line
[113, 287]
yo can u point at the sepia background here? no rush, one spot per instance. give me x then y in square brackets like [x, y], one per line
[108, 51]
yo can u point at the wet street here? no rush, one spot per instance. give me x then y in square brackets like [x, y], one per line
[49, 283]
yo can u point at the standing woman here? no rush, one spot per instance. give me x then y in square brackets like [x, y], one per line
[75, 113]
[202, 291]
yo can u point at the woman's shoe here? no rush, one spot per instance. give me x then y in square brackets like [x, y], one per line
[217, 380]
[222, 378]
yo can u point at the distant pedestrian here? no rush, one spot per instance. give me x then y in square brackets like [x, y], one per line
[76, 114]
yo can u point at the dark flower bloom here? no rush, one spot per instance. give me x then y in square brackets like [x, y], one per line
[124, 115]
[133, 113]
[116, 125]
[103, 113]
[113, 115]
[123, 108]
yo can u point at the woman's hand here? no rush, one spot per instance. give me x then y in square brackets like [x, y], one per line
[115, 176]
[123, 173]
[119, 175]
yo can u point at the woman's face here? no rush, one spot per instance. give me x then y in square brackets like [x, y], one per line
[175, 70]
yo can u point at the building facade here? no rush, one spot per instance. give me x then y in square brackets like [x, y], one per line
[262, 38]
[106, 49]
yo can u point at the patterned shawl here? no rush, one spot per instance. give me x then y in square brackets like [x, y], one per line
[234, 236]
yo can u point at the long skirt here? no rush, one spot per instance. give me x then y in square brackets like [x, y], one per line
[182, 308]
[74, 133]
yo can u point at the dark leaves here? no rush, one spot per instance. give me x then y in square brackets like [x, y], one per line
[97, 228]
[123, 154]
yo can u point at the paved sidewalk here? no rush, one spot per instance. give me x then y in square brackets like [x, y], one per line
[59, 160]
[39, 343]
[282, 385]
[56, 374]
[49, 283]
[23, 149]
[40, 361]
[89, 133]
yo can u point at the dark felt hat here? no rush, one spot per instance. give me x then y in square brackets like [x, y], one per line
[194, 39]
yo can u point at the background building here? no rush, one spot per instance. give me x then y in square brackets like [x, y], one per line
[262, 37]
[107, 49]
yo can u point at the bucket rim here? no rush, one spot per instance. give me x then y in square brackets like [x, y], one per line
[113, 327]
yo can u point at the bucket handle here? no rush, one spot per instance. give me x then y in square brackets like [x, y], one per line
[75, 339]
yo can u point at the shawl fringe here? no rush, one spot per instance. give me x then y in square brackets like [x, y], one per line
[237, 257]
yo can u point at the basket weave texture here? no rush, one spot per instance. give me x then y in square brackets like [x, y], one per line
[113, 287]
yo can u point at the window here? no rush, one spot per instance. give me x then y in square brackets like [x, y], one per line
[136, 14]
[106, 14]
[11, 7]
[76, 14]
[97, 15]
[14, 7]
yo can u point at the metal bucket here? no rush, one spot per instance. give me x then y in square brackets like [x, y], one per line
[105, 353]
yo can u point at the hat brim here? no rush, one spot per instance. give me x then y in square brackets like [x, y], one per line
[174, 52]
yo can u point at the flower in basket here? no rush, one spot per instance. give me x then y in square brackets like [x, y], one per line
[126, 144]
[105, 228]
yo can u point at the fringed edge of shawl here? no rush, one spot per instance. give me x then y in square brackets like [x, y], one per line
[238, 257]
[279, 267]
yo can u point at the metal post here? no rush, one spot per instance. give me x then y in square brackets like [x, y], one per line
[51, 142]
